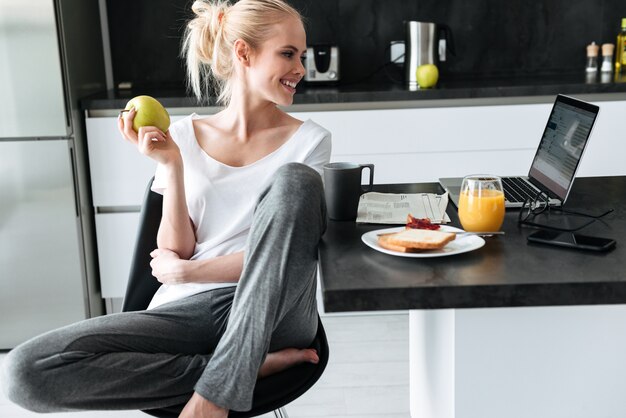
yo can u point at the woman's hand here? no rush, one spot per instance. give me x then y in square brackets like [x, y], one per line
[168, 267]
[150, 140]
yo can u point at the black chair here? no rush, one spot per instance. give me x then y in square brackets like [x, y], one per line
[270, 393]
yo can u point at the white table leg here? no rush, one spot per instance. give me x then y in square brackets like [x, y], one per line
[542, 362]
[431, 362]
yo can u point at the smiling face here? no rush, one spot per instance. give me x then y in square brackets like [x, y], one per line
[276, 65]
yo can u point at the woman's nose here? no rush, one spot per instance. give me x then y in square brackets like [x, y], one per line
[300, 67]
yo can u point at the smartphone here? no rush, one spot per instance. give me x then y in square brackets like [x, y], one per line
[571, 240]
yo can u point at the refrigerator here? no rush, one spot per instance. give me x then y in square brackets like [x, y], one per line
[50, 56]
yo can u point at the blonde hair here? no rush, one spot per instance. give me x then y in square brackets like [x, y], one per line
[208, 45]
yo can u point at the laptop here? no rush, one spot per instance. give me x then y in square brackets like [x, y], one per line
[558, 156]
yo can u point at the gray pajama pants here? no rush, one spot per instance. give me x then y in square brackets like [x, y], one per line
[212, 343]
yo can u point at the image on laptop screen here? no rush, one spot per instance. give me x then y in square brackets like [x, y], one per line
[561, 147]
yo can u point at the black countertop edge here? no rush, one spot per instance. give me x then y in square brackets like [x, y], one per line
[526, 295]
[468, 88]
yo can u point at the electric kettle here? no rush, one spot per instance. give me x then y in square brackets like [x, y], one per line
[419, 46]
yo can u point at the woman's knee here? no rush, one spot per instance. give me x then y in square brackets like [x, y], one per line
[296, 187]
[22, 380]
[299, 179]
[294, 197]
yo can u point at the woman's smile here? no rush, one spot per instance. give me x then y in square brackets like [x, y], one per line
[289, 85]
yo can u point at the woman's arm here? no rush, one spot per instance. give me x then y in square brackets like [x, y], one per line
[176, 232]
[169, 268]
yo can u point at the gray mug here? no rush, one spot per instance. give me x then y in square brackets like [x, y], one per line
[342, 186]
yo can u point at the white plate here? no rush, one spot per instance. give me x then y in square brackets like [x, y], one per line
[460, 245]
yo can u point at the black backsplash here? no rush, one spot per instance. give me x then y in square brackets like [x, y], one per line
[492, 37]
[145, 41]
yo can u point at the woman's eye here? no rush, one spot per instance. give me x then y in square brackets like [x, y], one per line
[288, 54]
[303, 58]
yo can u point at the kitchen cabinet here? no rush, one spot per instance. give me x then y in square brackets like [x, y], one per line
[119, 176]
[406, 145]
[116, 244]
[421, 145]
[119, 173]
[417, 145]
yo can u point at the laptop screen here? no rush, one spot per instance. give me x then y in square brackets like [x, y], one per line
[562, 145]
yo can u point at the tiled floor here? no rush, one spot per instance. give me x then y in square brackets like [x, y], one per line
[367, 374]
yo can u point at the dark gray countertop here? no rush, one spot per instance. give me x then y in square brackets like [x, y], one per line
[454, 89]
[505, 272]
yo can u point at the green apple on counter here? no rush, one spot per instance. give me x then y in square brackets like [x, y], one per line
[427, 75]
[149, 113]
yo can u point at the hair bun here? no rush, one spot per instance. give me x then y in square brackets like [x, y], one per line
[207, 24]
[208, 10]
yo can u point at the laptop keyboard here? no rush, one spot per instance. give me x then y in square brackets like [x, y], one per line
[517, 189]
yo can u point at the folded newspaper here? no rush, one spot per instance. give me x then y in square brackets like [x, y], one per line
[393, 208]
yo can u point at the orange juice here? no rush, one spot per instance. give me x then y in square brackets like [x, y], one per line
[481, 210]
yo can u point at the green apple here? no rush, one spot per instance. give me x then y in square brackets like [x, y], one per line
[149, 113]
[427, 75]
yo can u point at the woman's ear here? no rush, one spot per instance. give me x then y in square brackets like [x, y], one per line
[242, 52]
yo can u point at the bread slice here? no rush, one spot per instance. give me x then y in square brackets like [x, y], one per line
[413, 240]
[383, 241]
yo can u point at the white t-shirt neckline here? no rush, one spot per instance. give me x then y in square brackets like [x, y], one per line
[195, 116]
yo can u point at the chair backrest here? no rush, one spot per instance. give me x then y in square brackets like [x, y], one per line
[271, 392]
[142, 285]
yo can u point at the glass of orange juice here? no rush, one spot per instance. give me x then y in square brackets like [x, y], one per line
[481, 203]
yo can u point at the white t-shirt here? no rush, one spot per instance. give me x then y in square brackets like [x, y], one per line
[221, 198]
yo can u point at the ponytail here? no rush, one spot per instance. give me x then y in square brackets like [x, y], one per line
[201, 48]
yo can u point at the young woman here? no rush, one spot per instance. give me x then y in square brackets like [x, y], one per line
[243, 212]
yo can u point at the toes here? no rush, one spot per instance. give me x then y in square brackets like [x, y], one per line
[312, 356]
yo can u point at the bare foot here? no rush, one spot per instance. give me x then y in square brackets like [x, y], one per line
[198, 407]
[284, 359]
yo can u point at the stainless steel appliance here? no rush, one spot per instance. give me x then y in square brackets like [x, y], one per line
[322, 64]
[419, 47]
[47, 59]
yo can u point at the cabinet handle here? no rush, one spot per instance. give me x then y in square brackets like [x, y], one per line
[74, 182]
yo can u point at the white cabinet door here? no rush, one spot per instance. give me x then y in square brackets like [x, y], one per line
[416, 145]
[119, 173]
[606, 149]
[116, 235]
